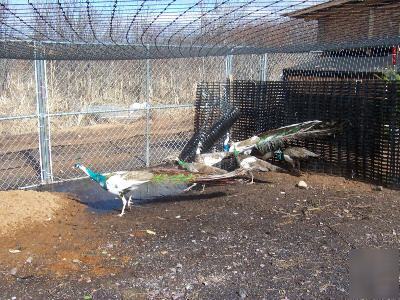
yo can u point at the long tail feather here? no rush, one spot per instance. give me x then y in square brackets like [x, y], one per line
[212, 178]
[276, 138]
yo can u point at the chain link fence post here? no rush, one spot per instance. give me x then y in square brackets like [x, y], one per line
[148, 103]
[228, 67]
[263, 67]
[43, 121]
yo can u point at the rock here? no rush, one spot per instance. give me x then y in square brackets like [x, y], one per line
[242, 294]
[177, 296]
[302, 185]
[76, 261]
[378, 188]
[29, 259]
[179, 266]
[173, 270]
[14, 251]
[13, 271]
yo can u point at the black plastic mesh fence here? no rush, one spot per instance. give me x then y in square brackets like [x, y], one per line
[368, 147]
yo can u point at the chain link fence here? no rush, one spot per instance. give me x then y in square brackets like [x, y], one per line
[125, 114]
[111, 115]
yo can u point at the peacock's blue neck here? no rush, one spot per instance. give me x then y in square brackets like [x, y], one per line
[99, 178]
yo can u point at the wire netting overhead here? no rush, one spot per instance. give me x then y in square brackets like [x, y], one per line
[126, 29]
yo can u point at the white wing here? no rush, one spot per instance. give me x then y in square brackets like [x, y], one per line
[123, 181]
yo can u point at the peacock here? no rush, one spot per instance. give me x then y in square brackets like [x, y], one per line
[123, 182]
[198, 167]
[265, 144]
[212, 158]
[250, 163]
[274, 139]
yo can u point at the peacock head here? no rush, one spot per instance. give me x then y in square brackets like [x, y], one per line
[77, 165]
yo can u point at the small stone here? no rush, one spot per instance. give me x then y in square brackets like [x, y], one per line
[29, 259]
[346, 211]
[242, 294]
[173, 270]
[283, 193]
[302, 185]
[76, 261]
[177, 296]
[177, 217]
[189, 287]
[14, 251]
[179, 266]
[13, 271]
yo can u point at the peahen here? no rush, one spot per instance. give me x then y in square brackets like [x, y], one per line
[198, 167]
[250, 163]
[293, 156]
[123, 182]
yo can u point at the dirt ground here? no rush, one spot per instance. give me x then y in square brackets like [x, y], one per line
[270, 240]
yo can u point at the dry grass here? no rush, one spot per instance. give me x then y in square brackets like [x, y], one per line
[79, 85]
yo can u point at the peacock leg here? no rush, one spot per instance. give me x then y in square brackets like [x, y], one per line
[252, 177]
[204, 187]
[123, 205]
[289, 160]
[130, 202]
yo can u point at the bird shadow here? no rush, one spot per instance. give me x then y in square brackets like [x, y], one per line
[100, 201]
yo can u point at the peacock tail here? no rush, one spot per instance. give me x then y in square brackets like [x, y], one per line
[272, 140]
[177, 176]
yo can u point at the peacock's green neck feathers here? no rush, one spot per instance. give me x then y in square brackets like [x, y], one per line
[99, 178]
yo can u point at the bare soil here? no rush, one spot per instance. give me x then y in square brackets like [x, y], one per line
[268, 240]
[20, 209]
